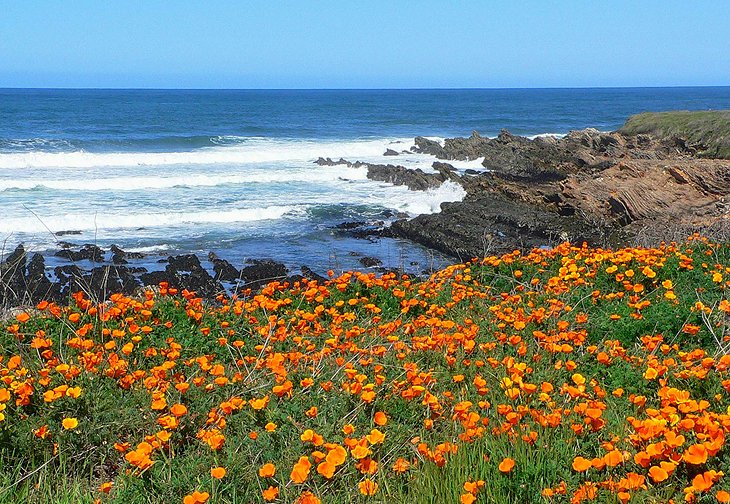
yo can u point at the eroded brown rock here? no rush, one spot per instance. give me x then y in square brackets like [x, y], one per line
[600, 187]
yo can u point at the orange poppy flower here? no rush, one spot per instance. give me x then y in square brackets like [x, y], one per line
[581, 464]
[308, 498]
[270, 493]
[375, 437]
[506, 465]
[401, 465]
[368, 487]
[695, 454]
[69, 423]
[218, 472]
[467, 499]
[267, 470]
[336, 455]
[42, 432]
[598, 463]
[657, 474]
[196, 498]
[259, 404]
[367, 466]
[300, 471]
[360, 452]
[471, 487]
[703, 482]
[178, 410]
[380, 418]
[613, 458]
[326, 469]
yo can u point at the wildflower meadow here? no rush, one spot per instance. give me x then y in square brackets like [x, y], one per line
[573, 374]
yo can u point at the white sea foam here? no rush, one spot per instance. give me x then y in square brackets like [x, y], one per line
[543, 135]
[421, 202]
[312, 174]
[245, 170]
[148, 250]
[256, 150]
[100, 221]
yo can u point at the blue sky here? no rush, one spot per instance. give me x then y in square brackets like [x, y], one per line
[363, 44]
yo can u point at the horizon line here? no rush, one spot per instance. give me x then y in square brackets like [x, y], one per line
[525, 88]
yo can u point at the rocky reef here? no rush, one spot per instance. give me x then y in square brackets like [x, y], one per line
[606, 189]
[25, 279]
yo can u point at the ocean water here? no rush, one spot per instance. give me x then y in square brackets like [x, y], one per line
[171, 171]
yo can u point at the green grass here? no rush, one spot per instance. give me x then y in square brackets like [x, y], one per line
[709, 130]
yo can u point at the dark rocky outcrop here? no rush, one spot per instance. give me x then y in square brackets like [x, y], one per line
[311, 275]
[120, 256]
[224, 271]
[262, 272]
[328, 162]
[415, 180]
[39, 286]
[26, 282]
[391, 152]
[427, 146]
[370, 262]
[185, 272]
[103, 281]
[351, 225]
[88, 252]
[601, 187]
[68, 279]
[487, 223]
[12, 274]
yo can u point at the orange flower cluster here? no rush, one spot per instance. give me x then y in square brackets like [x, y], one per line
[364, 378]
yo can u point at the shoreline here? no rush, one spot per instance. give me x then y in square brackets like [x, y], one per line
[603, 188]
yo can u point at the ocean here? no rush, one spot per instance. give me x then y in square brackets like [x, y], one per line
[232, 171]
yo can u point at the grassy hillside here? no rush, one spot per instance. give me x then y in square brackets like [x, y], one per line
[709, 129]
[564, 375]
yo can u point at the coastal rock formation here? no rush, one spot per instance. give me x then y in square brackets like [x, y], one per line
[262, 272]
[705, 132]
[370, 262]
[12, 274]
[489, 223]
[415, 180]
[88, 252]
[224, 271]
[185, 272]
[598, 187]
[38, 285]
[519, 202]
[24, 282]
